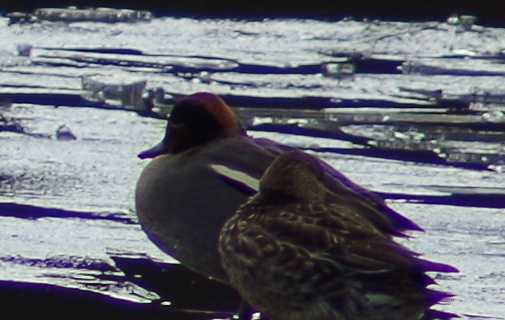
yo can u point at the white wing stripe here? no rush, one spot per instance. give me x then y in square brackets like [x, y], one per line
[236, 175]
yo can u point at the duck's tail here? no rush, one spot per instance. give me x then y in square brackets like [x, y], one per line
[438, 315]
[393, 295]
[388, 306]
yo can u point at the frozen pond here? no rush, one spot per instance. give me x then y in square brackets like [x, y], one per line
[413, 111]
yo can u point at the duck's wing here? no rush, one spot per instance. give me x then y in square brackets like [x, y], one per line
[334, 231]
[346, 191]
[239, 162]
[250, 157]
[367, 203]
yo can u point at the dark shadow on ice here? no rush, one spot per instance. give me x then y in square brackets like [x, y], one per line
[311, 102]
[125, 51]
[60, 262]
[418, 156]
[462, 200]
[24, 211]
[10, 125]
[53, 302]
[297, 130]
[52, 99]
[175, 283]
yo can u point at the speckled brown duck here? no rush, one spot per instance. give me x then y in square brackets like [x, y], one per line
[298, 250]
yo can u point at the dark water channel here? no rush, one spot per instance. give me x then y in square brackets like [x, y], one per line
[413, 111]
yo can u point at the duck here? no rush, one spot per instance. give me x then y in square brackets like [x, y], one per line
[205, 167]
[295, 251]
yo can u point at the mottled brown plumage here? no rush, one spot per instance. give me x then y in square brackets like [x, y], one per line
[297, 250]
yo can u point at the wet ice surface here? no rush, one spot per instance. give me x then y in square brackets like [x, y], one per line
[430, 140]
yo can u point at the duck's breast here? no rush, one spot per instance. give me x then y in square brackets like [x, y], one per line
[182, 202]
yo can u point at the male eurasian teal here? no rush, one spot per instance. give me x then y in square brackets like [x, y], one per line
[297, 250]
[207, 166]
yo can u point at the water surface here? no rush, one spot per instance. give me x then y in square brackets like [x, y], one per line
[420, 121]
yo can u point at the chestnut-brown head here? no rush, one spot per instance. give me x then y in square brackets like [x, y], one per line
[196, 120]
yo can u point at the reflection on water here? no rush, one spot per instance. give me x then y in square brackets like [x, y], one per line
[414, 111]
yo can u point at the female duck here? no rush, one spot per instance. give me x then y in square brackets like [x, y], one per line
[296, 251]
